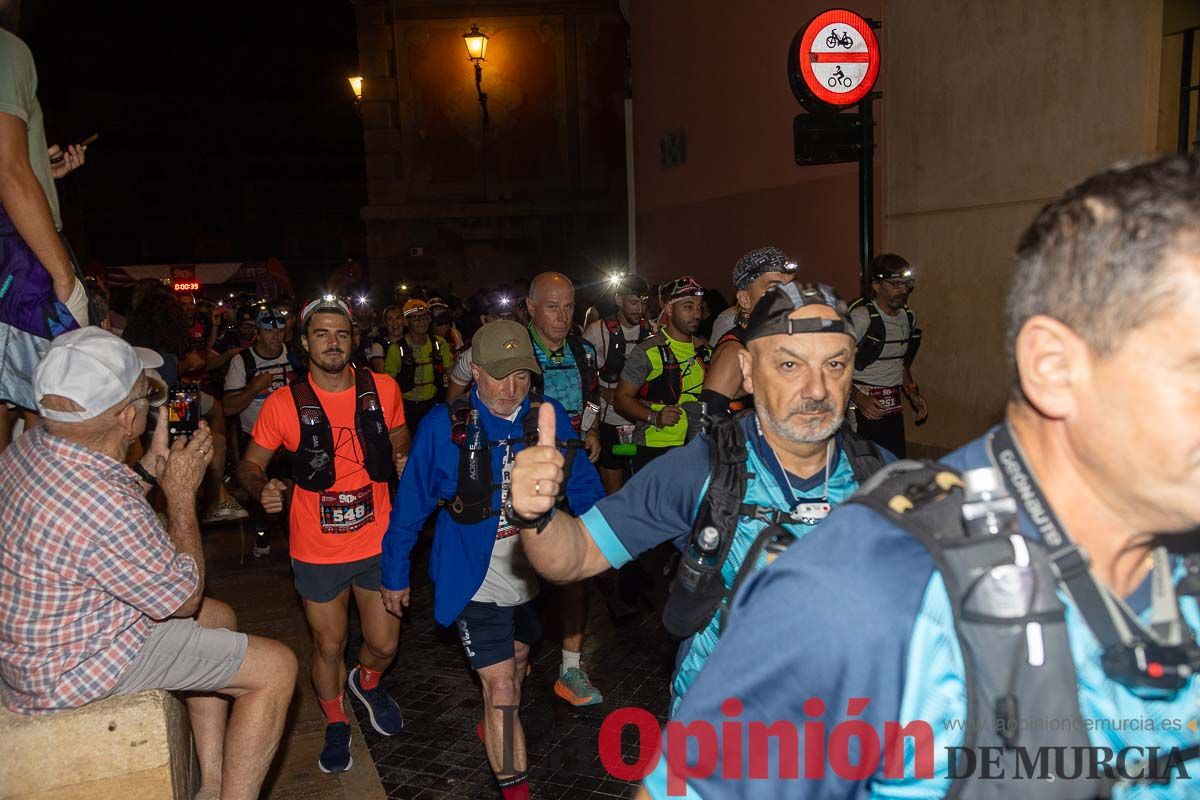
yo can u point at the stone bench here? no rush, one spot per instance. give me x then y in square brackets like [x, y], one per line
[136, 747]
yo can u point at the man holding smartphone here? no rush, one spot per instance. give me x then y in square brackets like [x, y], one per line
[345, 432]
[124, 593]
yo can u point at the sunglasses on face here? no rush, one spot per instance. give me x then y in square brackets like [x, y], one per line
[273, 323]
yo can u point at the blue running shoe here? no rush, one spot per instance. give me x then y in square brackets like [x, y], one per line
[335, 756]
[381, 708]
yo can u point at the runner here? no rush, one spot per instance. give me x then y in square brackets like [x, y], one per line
[353, 424]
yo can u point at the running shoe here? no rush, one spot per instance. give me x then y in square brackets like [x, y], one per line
[335, 756]
[381, 708]
[576, 688]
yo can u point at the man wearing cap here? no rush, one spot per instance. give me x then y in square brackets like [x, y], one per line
[258, 371]
[888, 338]
[482, 580]
[253, 375]
[614, 338]
[664, 372]
[799, 461]
[96, 598]
[754, 275]
[420, 362]
[344, 430]
[443, 325]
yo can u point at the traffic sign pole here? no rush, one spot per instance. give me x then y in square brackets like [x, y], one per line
[866, 193]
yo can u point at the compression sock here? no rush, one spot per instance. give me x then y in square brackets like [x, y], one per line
[516, 787]
[332, 709]
[368, 678]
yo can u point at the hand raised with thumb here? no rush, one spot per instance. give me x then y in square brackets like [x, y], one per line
[538, 471]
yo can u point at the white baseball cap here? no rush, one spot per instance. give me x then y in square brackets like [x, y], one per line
[91, 367]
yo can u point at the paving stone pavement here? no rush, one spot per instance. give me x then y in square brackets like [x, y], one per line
[439, 755]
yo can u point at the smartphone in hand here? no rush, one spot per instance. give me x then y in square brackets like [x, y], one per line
[183, 410]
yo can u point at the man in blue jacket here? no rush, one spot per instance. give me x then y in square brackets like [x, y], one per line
[483, 583]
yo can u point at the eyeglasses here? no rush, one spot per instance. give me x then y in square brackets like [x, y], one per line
[156, 395]
[419, 318]
[900, 283]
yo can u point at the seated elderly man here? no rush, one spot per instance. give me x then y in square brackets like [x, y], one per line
[97, 599]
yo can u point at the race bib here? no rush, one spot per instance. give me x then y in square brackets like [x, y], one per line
[347, 511]
[888, 397]
[506, 528]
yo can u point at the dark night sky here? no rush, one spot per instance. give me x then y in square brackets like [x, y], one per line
[227, 130]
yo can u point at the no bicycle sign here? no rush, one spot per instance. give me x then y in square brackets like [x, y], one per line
[833, 61]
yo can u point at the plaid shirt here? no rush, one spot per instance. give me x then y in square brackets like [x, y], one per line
[85, 569]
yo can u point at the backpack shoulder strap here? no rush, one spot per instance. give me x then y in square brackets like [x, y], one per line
[864, 455]
[248, 364]
[687, 612]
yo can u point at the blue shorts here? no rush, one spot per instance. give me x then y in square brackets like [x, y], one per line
[488, 631]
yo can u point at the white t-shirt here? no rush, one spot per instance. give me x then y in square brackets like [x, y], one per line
[724, 323]
[235, 379]
[597, 334]
[510, 579]
[888, 370]
[460, 373]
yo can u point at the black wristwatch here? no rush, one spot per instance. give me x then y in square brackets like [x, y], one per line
[538, 523]
[144, 474]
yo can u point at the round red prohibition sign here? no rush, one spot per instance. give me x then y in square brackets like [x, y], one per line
[837, 58]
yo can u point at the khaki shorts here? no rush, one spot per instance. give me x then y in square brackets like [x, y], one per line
[183, 656]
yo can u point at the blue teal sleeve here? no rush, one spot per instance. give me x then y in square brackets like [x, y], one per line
[820, 636]
[657, 505]
[416, 496]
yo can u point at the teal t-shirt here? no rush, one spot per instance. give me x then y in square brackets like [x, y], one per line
[18, 97]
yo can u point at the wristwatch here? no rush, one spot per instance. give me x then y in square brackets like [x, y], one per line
[144, 473]
[538, 523]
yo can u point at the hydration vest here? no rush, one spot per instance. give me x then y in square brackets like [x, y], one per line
[250, 366]
[1003, 689]
[614, 357]
[584, 364]
[407, 376]
[667, 386]
[724, 505]
[313, 459]
[472, 501]
[870, 348]
[734, 334]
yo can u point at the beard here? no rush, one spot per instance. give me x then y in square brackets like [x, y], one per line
[333, 363]
[812, 430]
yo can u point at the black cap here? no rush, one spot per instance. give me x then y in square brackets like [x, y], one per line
[771, 316]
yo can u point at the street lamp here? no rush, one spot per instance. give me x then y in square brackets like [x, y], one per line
[356, 86]
[477, 42]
